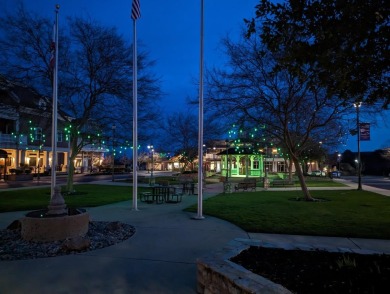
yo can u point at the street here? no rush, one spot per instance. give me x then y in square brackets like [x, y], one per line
[78, 178]
[373, 181]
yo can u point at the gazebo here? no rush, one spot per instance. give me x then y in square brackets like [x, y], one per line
[242, 162]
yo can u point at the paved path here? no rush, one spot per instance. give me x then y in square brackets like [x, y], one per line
[159, 258]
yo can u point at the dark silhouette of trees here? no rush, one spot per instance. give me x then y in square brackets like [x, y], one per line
[181, 135]
[181, 131]
[343, 42]
[95, 76]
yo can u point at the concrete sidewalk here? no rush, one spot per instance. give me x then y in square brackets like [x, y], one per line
[159, 258]
[354, 186]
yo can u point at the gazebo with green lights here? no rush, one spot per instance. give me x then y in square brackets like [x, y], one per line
[242, 161]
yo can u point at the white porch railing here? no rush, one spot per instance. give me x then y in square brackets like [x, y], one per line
[10, 141]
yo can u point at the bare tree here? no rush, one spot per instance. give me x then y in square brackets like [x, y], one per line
[97, 86]
[181, 131]
[95, 76]
[181, 134]
[295, 113]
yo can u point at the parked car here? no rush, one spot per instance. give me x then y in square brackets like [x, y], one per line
[317, 173]
[335, 174]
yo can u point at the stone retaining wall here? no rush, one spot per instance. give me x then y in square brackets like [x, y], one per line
[216, 274]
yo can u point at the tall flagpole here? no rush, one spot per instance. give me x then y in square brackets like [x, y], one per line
[135, 14]
[54, 115]
[200, 134]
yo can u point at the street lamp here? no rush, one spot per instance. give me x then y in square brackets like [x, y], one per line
[113, 151]
[204, 154]
[39, 150]
[264, 162]
[151, 148]
[357, 105]
[338, 161]
[227, 161]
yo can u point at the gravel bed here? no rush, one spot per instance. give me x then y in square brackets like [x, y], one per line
[100, 235]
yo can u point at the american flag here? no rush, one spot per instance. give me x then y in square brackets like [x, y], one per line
[135, 10]
[53, 49]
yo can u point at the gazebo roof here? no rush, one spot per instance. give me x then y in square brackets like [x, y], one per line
[238, 151]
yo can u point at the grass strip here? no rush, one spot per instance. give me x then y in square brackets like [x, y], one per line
[346, 213]
[87, 195]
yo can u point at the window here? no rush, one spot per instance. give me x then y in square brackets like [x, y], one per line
[42, 104]
[233, 163]
[256, 164]
[38, 134]
[268, 166]
[60, 135]
[281, 166]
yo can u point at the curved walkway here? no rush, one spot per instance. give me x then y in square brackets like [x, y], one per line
[159, 258]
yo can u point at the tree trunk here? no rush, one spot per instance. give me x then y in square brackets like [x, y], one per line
[289, 167]
[298, 170]
[72, 157]
[69, 183]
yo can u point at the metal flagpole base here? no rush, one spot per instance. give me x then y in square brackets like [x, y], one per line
[198, 217]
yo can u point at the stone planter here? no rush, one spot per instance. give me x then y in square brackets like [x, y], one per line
[217, 274]
[48, 229]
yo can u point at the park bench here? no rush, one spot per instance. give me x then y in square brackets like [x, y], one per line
[283, 183]
[245, 186]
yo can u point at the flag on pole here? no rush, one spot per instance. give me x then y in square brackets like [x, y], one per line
[135, 10]
[135, 14]
[364, 131]
[54, 133]
[53, 49]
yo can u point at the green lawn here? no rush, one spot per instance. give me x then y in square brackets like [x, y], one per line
[88, 196]
[321, 183]
[347, 213]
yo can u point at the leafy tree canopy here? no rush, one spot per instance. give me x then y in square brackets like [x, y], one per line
[345, 42]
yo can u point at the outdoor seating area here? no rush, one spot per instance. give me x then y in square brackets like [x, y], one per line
[162, 194]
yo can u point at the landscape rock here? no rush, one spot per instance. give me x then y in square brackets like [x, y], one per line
[113, 226]
[14, 247]
[79, 243]
[15, 225]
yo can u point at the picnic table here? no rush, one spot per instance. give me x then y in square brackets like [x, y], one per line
[188, 188]
[161, 194]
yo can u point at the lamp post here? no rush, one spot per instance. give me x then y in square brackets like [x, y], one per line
[113, 152]
[151, 148]
[39, 151]
[274, 152]
[264, 162]
[227, 161]
[204, 167]
[357, 105]
[338, 161]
